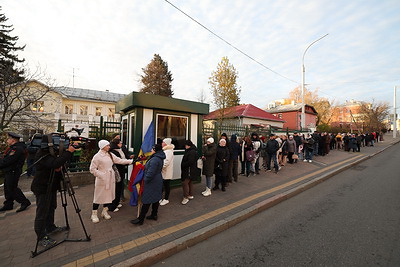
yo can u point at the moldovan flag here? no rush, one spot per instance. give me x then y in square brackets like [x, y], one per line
[148, 141]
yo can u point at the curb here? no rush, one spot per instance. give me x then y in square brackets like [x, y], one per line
[164, 251]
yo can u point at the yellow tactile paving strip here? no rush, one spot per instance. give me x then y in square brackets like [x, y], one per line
[99, 256]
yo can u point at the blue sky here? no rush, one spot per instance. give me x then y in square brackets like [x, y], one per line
[109, 42]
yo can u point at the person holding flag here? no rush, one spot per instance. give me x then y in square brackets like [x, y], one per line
[153, 183]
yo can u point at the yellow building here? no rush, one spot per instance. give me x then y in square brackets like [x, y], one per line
[73, 105]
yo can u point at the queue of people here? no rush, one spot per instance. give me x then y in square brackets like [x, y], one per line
[221, 159]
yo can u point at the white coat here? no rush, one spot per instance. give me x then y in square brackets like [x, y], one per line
[101, 168]
[168, 167]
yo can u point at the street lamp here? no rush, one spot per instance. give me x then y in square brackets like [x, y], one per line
[303, 70]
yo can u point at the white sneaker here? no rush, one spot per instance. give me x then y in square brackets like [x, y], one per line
[164, 202]
[119, 205]
[305, 160]
[207, 192]
[190, 197]
[310, 160]
[116, 210]
[185, 201]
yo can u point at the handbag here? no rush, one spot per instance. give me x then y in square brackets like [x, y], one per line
[117, 176]
[200, 163]
[250, 155]
[295, 156]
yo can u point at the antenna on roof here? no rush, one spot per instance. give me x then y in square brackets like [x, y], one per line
[73, 77]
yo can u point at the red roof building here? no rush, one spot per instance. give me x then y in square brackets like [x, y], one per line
[246, 115]
[292, 115]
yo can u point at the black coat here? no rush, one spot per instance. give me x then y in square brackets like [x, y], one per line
[209, 152]
[189, 168]
[45, 169]
[222, 161]
[14, 158]
[272, 146]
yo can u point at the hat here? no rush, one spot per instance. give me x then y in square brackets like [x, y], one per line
[224, 134]
[168, 141]
[157, 147]
[14, 135]
[211, 140]
[103, 143]
[271, 135]
[188, 143]
[222, 141]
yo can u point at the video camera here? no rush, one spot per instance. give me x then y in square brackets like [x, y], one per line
[60, 141]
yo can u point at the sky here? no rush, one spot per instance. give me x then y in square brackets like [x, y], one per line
[103, 45]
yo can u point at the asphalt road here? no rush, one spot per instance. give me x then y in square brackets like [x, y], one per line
[352, 219]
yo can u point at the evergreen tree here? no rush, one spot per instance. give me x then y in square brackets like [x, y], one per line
[9, 71]
[157, 78]
[223, 85]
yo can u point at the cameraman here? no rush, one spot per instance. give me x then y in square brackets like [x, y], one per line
[45, 185]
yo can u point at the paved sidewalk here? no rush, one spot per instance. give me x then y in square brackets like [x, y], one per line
[117, 242]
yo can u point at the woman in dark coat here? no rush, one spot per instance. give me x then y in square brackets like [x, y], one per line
[153, 182]
[208, 157]
[189, 170]
[221, 165]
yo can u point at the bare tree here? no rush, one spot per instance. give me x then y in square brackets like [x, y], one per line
[372, 115]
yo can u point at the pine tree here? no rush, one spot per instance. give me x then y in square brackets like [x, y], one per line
[223, 85]
[9, 72]
[157, 78]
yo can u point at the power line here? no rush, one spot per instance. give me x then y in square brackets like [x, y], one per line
[228, 43]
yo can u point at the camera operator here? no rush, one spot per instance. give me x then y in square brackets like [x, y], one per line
[45, 185]
[11, 164]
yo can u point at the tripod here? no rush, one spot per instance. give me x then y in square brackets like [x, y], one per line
[66, 187]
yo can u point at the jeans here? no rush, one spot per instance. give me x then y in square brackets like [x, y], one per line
[209, 182]
[272, 157]
[309, 154]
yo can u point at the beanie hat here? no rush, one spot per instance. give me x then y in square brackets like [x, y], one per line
[103, 143]
[211, 140]
[222, 142]
[168, 141]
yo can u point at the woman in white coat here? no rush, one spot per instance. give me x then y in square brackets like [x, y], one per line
[104, 186]
[168, 168]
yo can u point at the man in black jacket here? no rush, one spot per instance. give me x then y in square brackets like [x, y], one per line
[271, 148]
[47, 181]
[11, 163]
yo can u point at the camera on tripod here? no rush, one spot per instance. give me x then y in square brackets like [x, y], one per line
[61, 141]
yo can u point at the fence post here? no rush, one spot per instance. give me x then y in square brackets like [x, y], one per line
[101, 127]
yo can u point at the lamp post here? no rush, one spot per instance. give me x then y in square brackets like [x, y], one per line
[303, 70]
[394, 115]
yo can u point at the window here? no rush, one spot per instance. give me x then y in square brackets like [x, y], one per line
[280, 115]
[174, 127]
[111, 112]
[38, 106]
[98, 111]
[69, 108]
[83, 110]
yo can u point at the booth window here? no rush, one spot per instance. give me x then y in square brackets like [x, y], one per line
[174, 127]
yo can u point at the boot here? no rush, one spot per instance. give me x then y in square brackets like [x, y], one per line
[207, 192]
[94, 217]
[105, 214]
